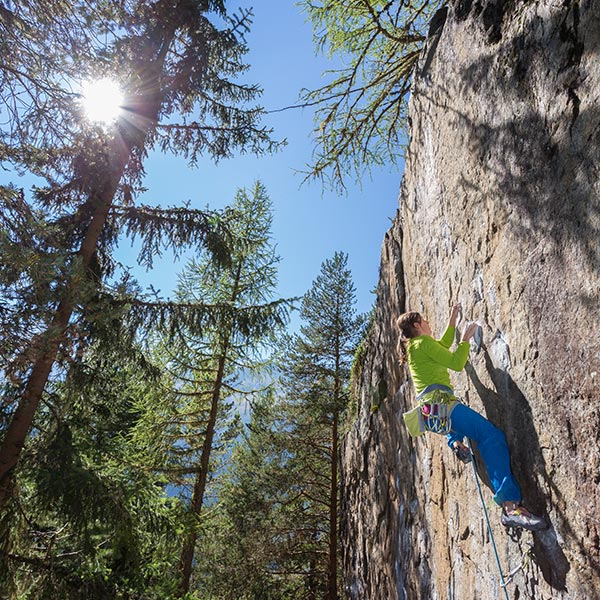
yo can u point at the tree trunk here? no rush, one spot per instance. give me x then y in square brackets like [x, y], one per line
[187, 553]
[312, 579]
[16, 434]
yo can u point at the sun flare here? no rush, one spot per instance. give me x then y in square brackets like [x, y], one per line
[102, 100]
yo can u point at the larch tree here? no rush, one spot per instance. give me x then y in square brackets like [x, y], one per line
[361, 112]
[219, 367]
[178, 63]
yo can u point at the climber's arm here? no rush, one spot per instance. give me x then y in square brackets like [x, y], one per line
[448, 338]
[455, 360]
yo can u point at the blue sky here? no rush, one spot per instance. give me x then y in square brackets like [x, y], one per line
[309, 224]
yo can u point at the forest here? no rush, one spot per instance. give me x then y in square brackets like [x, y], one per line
[180, 447]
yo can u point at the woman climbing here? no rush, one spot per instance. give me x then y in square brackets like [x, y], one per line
[440, 411]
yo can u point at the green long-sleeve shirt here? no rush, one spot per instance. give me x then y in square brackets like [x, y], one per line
[429, 359]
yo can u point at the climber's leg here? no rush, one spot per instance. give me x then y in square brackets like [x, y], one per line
[454, 437]
[493, 449]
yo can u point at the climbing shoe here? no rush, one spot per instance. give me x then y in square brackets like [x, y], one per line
[521, 517]
[462, 453]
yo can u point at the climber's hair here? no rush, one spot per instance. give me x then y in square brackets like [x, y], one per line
[406, 325]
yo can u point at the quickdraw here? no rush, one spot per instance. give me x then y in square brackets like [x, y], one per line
[527, 555]
[436, 404]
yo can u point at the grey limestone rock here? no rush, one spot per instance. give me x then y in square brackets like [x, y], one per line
[499, 209]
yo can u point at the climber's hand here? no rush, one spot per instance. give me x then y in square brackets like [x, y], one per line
[456, 308]
[469, 331]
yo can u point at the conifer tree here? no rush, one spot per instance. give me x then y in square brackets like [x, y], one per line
[212, 371]
[262, 540]
[282, 497]
[177, 61]
[89, 522]
[319, 372]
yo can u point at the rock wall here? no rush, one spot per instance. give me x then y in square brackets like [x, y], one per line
[500, 210]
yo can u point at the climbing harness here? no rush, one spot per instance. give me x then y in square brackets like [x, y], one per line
[436, 415]
[435, 404]
[503, 583]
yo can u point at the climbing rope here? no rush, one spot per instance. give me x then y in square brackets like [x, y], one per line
[503, 583]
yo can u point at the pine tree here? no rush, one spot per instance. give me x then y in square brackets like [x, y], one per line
[319, 372]
[177, 61]
[281, 500]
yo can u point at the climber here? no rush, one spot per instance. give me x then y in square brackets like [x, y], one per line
[440, 411]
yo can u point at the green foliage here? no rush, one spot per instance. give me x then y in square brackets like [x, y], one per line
[209, 371]
[356, 371]
[50, 46]
[358, 363]
[48, 50]
[265, 530]
[87, 522]
[362, 110]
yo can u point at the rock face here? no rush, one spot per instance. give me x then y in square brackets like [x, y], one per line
[500, 210]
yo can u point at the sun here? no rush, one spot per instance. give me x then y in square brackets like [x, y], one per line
[102, 100]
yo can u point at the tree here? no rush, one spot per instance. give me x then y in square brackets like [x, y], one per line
[282, 496]
[319, 368]
[174, 58]
[214, 367]
[362, 110]
[88, 521]
[249, 551]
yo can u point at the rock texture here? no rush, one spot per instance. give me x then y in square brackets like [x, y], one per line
[499, 209]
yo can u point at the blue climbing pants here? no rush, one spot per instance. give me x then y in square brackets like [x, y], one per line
[492, 447]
